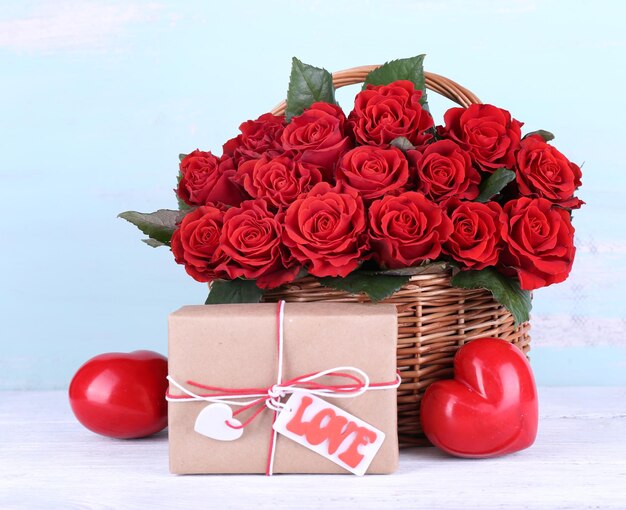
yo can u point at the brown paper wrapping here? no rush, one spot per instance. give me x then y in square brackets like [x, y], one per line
[234, 346]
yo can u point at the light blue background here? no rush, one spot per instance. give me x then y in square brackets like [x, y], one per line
[97, 99]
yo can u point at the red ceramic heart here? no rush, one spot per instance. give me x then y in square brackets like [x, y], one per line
[121, 394]
[489, 408]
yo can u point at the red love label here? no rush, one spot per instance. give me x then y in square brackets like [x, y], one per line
[330, 431]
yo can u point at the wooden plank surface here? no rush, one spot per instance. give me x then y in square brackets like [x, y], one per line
[48, 461]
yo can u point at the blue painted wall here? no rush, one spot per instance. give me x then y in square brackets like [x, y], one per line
[97, 99]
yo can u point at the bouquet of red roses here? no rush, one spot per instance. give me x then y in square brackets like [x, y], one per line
[364, 201]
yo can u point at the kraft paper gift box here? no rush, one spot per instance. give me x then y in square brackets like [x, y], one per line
[235, 346]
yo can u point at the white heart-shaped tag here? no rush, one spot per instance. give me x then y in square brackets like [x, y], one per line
[211, 422]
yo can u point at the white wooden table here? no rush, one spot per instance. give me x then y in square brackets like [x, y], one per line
[48, 461]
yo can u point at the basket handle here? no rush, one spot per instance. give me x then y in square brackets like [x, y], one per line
[435, 82]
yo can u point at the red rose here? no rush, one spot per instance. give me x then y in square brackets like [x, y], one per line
[373, 171]
[407, 229]
[318, 134]
[251, 237]
[444, 170]
[476, 241]
[325, 230]
[196, 243]
[543, 172]
[257, 137]
[384, 112]
[486, 132]
[539, 241]
[203, 181]
[278, 180]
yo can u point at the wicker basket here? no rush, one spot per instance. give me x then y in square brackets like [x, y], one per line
[434, 318]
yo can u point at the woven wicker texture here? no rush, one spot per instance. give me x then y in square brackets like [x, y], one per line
[434, 318]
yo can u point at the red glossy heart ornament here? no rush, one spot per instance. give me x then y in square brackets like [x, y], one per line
[121, 395]
[489, 408]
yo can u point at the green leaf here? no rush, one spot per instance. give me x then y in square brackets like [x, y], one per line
[307, 85]
[153, 243]
[181, 157]
[546, 135]
[182, 206]
[494, 184]
[234, 291]
[402, 143]
[505, 290]
[159, 225]
[425, 268]
[377, 287]
[411, 69]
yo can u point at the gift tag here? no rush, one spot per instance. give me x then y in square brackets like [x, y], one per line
[329, 431]
[212, 422]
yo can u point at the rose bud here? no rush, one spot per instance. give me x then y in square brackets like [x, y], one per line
[325, 230]
[539, 241]
[543, 172]
[488, 133]
[373, 171]
[407, 229]
[203, 180]
[384, 112]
